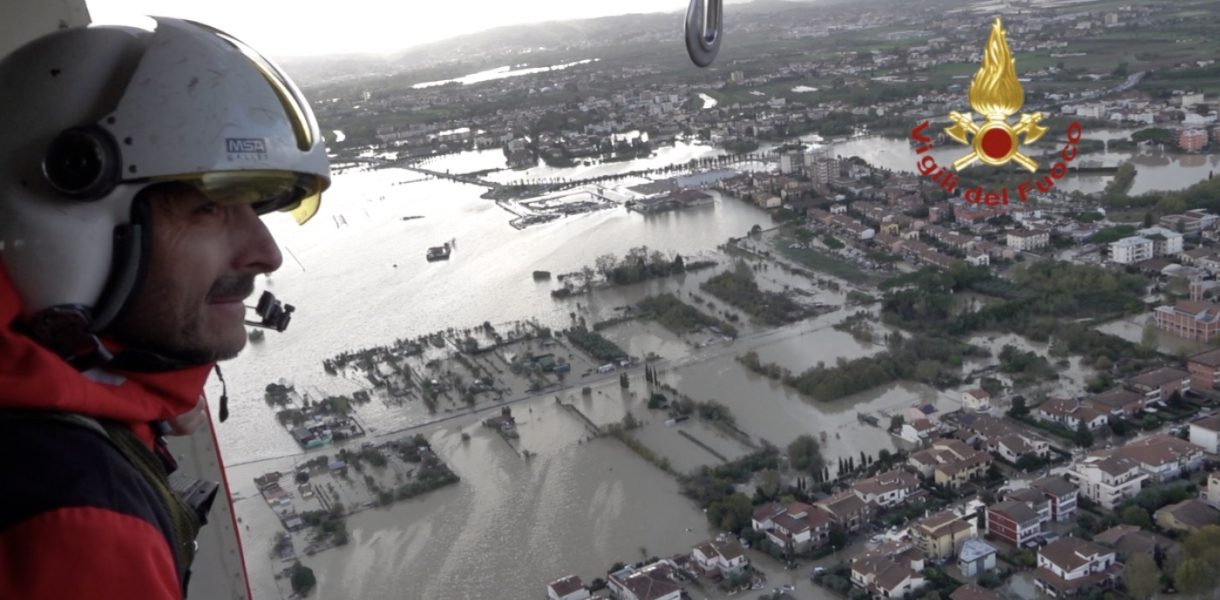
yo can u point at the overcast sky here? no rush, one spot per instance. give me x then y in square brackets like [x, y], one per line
[281, 28]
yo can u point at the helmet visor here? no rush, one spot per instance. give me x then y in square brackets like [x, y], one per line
[296, 193]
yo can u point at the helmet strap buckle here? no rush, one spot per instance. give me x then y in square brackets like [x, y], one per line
[64, 329]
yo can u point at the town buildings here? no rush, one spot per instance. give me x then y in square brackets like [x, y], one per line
[892, 570]
[797, 526]
[1062, 495]
[1025, 240]
[886, 489]
[721, 557]
[943, 534]
[1069, 565]
[1107, 480]
[1204, 369]
[1013, 522]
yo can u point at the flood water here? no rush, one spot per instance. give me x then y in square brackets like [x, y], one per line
[358, 278]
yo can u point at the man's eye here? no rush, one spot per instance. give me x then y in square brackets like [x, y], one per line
[208, 208]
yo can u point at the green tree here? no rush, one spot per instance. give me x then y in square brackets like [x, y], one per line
[1135, 515]
[837, 537]
[805, 455]
[1194, 576]
[1150, 338]
[1082, 436]
[768, 483]
[303, 580]
[1018, 409]
[1141, 577]
[896, 422]
[731, 514]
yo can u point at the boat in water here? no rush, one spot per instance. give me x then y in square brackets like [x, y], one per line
[438, 252]
[541, 275]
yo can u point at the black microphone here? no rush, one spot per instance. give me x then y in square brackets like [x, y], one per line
[274, 313]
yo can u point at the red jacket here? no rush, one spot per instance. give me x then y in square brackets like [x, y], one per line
[76, 519]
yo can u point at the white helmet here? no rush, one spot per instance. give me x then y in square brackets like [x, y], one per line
[90, 116]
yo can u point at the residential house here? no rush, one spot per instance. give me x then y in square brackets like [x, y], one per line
[954, 474]
[976, 558]
[1160, 384]
[764, 516]
[1070, 565]
[922, 411]
[1003, 437]
[846, 509]
[917, 430]
[1190, 319]
[1034, 499]
[1014, 522]
[1118, 402]
[1188, 515]
[1071, 414]
[1129, 540]
[1131, 250]
[886, 489]
[1165, 242]
[970, 591]
[1205, 433]
[1107, 480]
[977, 400]
[657, 581]
[797, 526]
[1025, 240]
[721, 557]
[567, 588]
[942, 535]
[942, 451]
[1163, 457]
[1204, 369]
[890, 571]
[1062, 495]
[1190, 256]
[1212, 495]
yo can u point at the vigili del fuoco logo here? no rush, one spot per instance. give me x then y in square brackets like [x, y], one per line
[996, 95]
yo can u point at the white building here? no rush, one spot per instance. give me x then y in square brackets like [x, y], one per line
[977, 400]
[1205, 433]
[886, 489]
[1028, 239]
[1131, 250]
[724, 557]
[1107, 480]
[1069, 565]
[1162, 457]
[791, 162]
[1212, 496]
[1165, 242]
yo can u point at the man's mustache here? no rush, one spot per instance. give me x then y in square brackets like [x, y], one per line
[233, 286]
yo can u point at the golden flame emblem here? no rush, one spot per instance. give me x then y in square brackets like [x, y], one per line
[996, 94]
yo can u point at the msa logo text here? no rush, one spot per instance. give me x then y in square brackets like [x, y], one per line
[246, 145]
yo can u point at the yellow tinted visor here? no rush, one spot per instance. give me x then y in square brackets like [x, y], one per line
[295, 193]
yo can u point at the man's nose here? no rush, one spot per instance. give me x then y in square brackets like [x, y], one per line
[257, 250]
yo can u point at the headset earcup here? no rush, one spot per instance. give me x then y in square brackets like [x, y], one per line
[82, 163]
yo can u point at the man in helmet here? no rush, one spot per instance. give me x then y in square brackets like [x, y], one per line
[134, 168]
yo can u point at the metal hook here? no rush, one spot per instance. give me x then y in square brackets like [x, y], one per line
[704, 28]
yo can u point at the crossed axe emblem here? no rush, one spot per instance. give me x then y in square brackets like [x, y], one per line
[994, 141]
